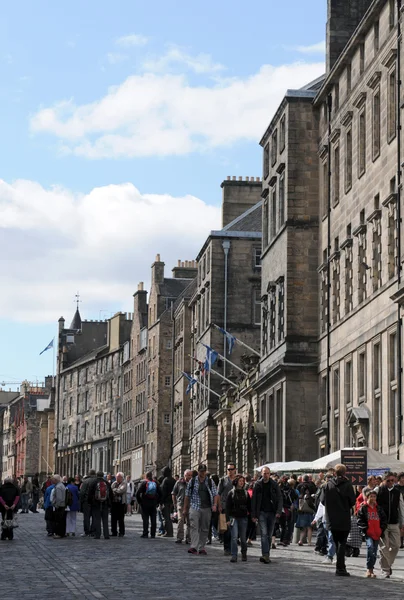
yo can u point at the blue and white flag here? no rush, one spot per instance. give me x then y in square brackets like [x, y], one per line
[211, 357]
[231, 340]
[48, 347]
[191, 383]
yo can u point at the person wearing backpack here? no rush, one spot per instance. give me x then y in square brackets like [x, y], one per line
[201, 499]
[73, 504]
[148, 496]
[100, 499]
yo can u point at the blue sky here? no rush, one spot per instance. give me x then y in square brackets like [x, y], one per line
[116, 114]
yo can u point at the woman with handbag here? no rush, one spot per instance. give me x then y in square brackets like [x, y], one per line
[9, 498]
[305, 515]
[238, 505]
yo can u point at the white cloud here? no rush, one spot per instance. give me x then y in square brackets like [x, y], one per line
[116, 57]
[318, 48]
[133, 39]
[55, 242]
[201, 63]
[160, 115]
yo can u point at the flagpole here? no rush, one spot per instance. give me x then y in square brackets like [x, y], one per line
[240, 342]
[229, 361]
[223, 377]
[205, 387]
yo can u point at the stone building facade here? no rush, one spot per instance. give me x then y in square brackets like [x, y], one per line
[182, 363]
[227, 294]
[89, 394]
[28, 431]
[287, 382]
[152, 360]
[331, 367]
[360, 348]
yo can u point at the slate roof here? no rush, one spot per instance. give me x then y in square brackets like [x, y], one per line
[187, 293]
[250, 220]
[76, 323]
[89, 356]
[172, 288]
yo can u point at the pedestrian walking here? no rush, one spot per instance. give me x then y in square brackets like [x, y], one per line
[201, 498]
[390, 499]
[72, 510]
[129, 495]
[178, 496]
[9, 498]
[35, 493]
[47, 504]
[372, 522]
[26, 491]
[84, 503]
[167, 487]
[266, 507]
[100, 500]
[338, 498]
[238, 506]
[59, 503]
[225, 487]
[118, 507]
[307, 508]
[148, 496]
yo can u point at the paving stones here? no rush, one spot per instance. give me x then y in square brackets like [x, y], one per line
[43, 568]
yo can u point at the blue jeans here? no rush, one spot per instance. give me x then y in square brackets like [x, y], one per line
[25, 498]
[239, 529]
[267, 524]
[372, 546]
[331, 545]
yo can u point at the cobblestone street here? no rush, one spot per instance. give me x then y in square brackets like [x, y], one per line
[41, 567]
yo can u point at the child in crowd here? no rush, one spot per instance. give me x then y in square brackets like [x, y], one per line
[372, 522]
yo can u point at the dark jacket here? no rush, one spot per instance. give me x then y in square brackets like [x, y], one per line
[238, 504]
[85, 486]
[147, 500]
[91, 492]
[307, 486]
[9, 494]
[289, 495]
[167, 486]
[338, 498]
[276, 497]
[363, 522]
[389, 500]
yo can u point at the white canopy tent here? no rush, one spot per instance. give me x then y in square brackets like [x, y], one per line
[287, 467]
[376, 460]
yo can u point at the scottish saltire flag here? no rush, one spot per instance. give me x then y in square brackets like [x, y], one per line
[231, 340]
[211, 358]
[48, 347]
[191, 383]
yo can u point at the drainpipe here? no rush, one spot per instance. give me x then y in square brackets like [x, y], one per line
[226, 249]
[399, 267]
[328, 391]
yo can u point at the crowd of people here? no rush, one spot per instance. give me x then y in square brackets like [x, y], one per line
[232, 510]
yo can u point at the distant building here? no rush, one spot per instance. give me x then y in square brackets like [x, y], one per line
[152, 359]
[28, 431]
[227, 294]
[89, 394]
